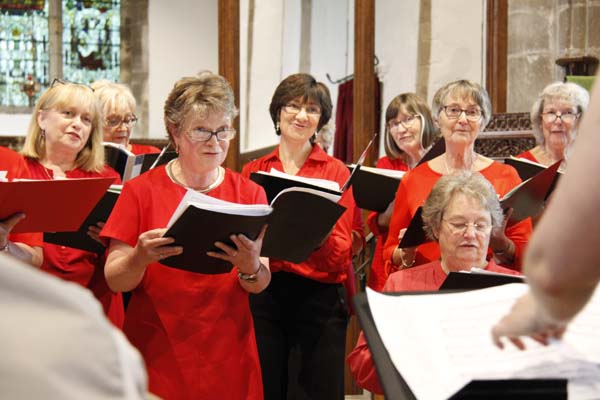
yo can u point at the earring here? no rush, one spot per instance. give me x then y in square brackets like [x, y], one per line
[277, 130]
[177, 148]
[43, 134]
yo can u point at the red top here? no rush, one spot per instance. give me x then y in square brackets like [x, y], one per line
[329, 263]
[138, 149]
[528, 155]
[378, 275]
[194, 331]
[75, 265]
[16, 167]
[427, 277]
[414, 189]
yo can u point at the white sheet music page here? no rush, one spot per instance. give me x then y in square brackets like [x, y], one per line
[446, 339]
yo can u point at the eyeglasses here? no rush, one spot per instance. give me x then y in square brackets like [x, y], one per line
[203, 135]
[566, 117]
[112, 121]
[453, 112]
[406, 123]
[58, 81]
[460, 228]
[311, 110]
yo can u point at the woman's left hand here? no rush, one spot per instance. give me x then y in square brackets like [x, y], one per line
[94, 233]
[245, 256]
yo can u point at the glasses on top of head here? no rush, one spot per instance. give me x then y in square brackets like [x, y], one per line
[406, 122]
[58, 81]
[460, 228]
[310, 109]
[453, 112]
[567, 117]
[113, 121]
[204, 135]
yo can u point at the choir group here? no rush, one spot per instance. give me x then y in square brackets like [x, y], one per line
[271, 328]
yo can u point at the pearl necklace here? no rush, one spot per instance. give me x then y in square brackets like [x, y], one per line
[217, 182]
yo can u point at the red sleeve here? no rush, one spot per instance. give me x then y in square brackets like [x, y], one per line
[30, 239]
[401, 217]
[127, 209]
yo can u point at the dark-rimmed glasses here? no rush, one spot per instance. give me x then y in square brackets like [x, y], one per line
[568, 117]
[406, 122]
[204, 135]
[453, 112]
[112, 121]
[58, 81]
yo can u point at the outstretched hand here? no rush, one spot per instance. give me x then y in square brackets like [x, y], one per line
[526, 319]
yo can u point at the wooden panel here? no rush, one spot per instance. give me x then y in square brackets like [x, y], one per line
[496, 57]
[229, 65]
[364, 119]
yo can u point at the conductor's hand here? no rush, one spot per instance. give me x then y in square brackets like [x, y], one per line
[152, 246]
[245, 255]
[94, 233]
[7, 225]
[526, 319]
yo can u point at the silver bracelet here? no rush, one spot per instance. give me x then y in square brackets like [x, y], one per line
[250, 278]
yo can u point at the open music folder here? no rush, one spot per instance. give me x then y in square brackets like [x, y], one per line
[58, 205]
[444, 337]
[201, 220]
[375, 188]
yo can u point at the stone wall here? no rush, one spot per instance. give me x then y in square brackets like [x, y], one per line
[540, 32]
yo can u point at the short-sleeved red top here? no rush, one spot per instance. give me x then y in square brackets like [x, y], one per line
[194, 331]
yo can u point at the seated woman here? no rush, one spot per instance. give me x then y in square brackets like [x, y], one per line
[555, 117]
[117, 106]
[461, 109]
[26, 247]
[409, 133]
[459, 214]
[64, 141]
[191, 328]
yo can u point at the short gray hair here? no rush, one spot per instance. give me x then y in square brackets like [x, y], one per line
[570, 92]
[463, 89]
[471, 184]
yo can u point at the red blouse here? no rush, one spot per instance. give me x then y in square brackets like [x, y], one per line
[138, 149]
[329, 263]
[194, 331]
[74, 265]
[528, 155]
[378, 275]
[414, 189]
[426, 277]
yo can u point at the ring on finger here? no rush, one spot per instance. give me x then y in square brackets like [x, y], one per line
[234, 254]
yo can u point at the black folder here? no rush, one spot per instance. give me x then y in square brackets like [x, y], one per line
[477, 280]
[297, 225]
[395, 387]
[373, 191]
[274, 184]
[415, 234]
[80, 239]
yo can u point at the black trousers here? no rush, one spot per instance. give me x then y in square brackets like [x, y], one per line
[301, 335]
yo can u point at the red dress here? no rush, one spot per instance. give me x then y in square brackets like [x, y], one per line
[74, 265]
[194, 331]
[329, 263]
[414, 189]
[16, 167]
[426, 277]
[378, 275]
[138, 149]
[528, 155]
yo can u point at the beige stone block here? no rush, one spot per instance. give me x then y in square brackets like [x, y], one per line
[542, 6]
[529, 32]
[527, 77]
[594, 26]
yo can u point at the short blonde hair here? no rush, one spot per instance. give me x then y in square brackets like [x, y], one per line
[471, 184]
[203, 94]
[64, 95]
[114, 98]
[570, 92]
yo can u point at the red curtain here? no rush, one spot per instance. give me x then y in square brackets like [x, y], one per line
[343, 144]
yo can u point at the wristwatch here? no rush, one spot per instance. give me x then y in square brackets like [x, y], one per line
[250, 278]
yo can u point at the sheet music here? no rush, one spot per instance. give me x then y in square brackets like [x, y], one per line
[324, 183]
[445, 338]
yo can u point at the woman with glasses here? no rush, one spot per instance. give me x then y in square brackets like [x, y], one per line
[64, 141]
[459, 214]
[300, 319]
[555, 117]
[409, 133]
[194, 331]
[118, 105]
[461, 109]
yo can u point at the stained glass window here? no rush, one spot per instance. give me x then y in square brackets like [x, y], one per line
[90, 46]
[23, 49]
[91, 40]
